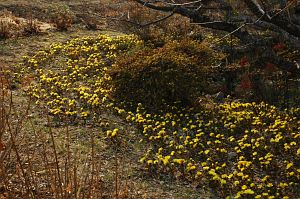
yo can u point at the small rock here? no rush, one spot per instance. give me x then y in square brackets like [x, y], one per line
[232, 155]
[219, 96]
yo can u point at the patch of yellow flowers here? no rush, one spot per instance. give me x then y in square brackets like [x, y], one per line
[71, 79]
[244, 150]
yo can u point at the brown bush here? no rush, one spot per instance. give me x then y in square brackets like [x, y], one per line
[138, 20]
[12, 26]
[9, 25]
[61, 16]
[31, 27]
[176, 72]
[4, 30]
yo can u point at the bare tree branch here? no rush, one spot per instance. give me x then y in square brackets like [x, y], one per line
[256, 8]
[182, 4]
[241, 24]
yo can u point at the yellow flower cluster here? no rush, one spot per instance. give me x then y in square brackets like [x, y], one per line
[71, 79]
[245, 150]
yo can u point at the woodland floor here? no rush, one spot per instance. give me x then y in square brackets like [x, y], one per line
[140, 184]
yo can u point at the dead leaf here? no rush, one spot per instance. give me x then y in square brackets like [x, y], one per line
[2, 146]
[69, 188]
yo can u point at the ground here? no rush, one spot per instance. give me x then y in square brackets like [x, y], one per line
[134, 182]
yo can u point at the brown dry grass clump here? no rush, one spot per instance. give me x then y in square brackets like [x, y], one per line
[9, 25]
[12, 26]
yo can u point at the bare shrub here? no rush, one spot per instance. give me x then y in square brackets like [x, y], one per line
[12, 26]
[153, 26]
[61, 16]
[31, 27]
[9, 25]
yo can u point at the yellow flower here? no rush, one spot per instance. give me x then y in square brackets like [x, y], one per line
[190, 167]
[166, 160]
[293, 143]
[248, 191]
[198, 174]
[142, 160]
[289, 165]
[236, 183]
[149, 162]
[115, 132]
[179, 161]
[108, 133]
[291, 173]
[222, 181]
[283, 184]
[205, 168]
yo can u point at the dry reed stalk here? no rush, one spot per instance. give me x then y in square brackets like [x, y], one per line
[75, 181]
[92, 185]
[42, 153]
[116, 177]
[58, 175]
[18, 156]
[68, 188]
[83, 181]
